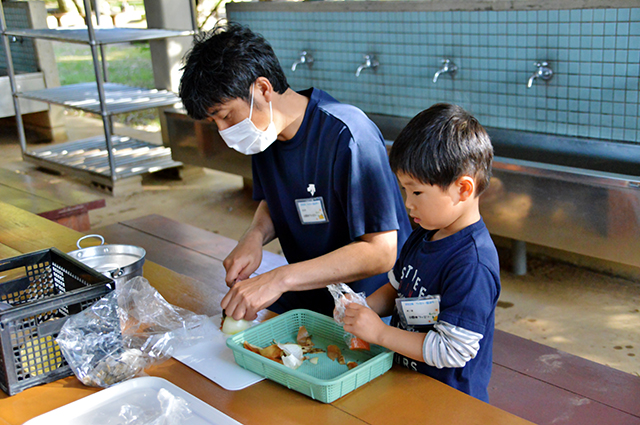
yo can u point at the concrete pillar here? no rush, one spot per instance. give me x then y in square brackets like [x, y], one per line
[166, 55]
[49, 125]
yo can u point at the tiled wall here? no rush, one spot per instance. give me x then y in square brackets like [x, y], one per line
[23, 51]
[595, 54]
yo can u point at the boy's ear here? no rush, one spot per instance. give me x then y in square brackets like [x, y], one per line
[466, 187]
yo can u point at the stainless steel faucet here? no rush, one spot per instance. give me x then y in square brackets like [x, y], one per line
[543, 72]
[305, 58]
[369, 62]
[448, 67]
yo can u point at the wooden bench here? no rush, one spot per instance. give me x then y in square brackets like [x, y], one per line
[549, 386]
[56, 202]
[531, 380]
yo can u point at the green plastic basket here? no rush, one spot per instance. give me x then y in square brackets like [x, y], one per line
[325, 381]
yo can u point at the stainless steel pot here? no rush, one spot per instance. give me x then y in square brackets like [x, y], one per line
[119, 262]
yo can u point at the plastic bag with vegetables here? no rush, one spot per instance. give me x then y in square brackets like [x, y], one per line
[343, 295]
[126, 331]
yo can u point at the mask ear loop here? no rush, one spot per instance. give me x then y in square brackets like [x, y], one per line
[251, 110]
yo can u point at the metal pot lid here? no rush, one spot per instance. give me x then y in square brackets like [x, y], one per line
[105, 258]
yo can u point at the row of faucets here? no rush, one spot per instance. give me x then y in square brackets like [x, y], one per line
[543, 70]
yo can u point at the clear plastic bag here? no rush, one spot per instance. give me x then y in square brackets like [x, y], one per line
[126, 331]
[165, 409]
[169, 409]
[343, 295]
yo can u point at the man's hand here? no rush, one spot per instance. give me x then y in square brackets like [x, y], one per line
[243, 260]
[364, 323]
[247, 255]
[247, 297]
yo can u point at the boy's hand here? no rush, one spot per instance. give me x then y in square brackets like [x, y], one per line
[338, 310]
[364, 323]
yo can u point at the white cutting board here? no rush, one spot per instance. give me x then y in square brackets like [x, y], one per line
[215, 361]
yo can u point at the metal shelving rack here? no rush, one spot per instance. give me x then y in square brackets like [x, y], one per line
[100, 160]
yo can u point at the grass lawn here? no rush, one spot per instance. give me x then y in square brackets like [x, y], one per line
[128, 64]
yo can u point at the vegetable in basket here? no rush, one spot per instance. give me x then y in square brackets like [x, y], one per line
[343, 295]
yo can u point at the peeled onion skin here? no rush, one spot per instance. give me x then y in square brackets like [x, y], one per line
[230, 326]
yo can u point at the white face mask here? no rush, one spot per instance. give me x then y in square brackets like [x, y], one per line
[246, 138]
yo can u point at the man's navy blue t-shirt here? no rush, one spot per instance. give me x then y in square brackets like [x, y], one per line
[464, 270]
[328, 185]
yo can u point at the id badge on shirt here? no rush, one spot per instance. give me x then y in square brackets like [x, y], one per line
[311, 210]
[418, 311]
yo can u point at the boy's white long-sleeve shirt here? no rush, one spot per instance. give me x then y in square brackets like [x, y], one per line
[450, 346]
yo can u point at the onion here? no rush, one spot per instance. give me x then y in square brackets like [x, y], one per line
[232, 326]
[293, 355]
[291, 361]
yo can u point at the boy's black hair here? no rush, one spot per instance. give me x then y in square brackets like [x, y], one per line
[441, 144]
[223, 64]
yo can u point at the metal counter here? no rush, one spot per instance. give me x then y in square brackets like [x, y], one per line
[583, 211]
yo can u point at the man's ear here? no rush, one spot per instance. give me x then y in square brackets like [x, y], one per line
[466, 187]
[264, 87]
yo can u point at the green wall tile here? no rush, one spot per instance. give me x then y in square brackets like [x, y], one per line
[594, 53]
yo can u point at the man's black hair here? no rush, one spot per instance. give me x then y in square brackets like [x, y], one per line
[441, 144]
[223, 64]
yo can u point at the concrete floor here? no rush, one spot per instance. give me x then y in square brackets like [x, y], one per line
[571, 308]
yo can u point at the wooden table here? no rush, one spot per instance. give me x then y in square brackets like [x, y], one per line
[398, 397]
[531, 380]
[56, 202]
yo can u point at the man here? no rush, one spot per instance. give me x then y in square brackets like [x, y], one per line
[320, 172]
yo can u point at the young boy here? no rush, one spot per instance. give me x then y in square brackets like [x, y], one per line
[445, 285]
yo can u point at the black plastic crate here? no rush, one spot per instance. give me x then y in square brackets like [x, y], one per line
[38, 292]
